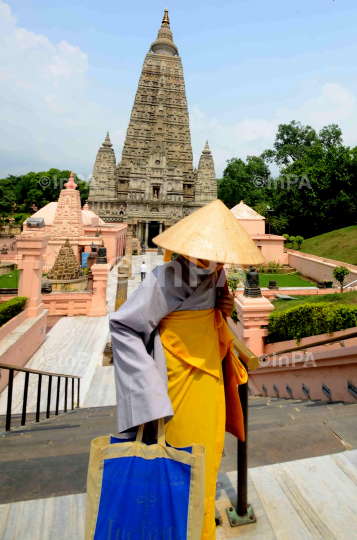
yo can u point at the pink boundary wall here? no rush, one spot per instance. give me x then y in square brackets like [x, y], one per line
[318, 268]
[68, 304]
[304, 291]
[333, 365]
[25, 341]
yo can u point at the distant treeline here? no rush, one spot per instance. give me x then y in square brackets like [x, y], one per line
[25, 193]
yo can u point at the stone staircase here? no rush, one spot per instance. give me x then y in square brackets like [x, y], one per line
[50, 458]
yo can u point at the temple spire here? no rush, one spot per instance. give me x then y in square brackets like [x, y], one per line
[70, 184]
[206, 149]
[164, 43]
[166, 20]
[107, 142]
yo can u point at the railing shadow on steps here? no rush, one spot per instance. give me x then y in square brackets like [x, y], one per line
[40, 374]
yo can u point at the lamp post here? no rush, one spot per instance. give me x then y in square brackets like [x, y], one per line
[269, 211]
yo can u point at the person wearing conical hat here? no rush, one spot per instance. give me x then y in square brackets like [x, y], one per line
[172, 348]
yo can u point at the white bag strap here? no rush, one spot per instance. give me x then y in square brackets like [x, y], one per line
[161, 433]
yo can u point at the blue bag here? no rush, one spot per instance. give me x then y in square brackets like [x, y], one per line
[139, 491]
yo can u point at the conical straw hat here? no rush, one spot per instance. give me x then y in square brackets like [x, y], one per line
[211, 233]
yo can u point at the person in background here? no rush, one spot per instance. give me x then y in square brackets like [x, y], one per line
[143, 270]
[173, 350]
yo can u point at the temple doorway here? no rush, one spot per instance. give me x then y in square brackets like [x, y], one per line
[154, 229]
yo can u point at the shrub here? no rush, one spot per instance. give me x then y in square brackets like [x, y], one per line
[292, 241]
[233, 280]
[262, 269]
[310, 320]
[286, 238]
[273, 267]
[299, 240]
[339, 273]
[85, 271]
[135, 252]
[11, 308]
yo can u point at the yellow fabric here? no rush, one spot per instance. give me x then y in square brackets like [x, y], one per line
[167, 256]
[195, 343]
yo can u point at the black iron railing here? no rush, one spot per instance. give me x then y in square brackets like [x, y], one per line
[243, 513]
[40, 375]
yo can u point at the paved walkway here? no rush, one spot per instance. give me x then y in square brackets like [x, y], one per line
[309, 499]
[74, 346]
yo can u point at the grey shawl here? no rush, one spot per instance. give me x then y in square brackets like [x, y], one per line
[139, 360]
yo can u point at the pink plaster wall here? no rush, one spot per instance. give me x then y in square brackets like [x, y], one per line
[253, 226]
[20, 352]
[272, 247]
[319, 268]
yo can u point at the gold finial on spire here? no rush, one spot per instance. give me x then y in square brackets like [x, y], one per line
[165, 20]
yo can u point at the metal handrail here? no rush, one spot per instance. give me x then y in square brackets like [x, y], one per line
[40, 374]
[321, 342]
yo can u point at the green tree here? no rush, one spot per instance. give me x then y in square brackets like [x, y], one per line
[316, 193]
[7, 198]
[243, 181]
[291, 142]
[35, 190]
[339, 273]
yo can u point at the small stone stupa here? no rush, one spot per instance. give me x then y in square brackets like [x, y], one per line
[66, 273]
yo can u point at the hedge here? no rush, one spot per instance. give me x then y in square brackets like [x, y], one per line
[310, 320]
[11, 308]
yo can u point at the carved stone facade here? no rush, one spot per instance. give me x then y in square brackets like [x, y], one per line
[155, 184]
[68, 222]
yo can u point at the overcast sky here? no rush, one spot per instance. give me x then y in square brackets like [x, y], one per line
[69, 71]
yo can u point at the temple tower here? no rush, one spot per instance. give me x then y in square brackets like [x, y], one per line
[155, 182]
[206, 184]
[102, 185]
[68, 222]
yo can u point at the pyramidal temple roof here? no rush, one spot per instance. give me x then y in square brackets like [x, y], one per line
[66, 266]
[243, 211]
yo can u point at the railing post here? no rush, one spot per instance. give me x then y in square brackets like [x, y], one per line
[38, 397]
[65, 394]
[78, 393]
[242, 513]
[58, 394]
[72, 394]
[49, 396]
[9, 400]
[242, 455]
[24, 402]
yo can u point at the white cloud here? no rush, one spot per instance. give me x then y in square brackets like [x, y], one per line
[250, 136]
[45, 116]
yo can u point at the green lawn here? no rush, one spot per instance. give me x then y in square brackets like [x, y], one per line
[284, 280]
[340, 245]
[336, 298]
[10, 281]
